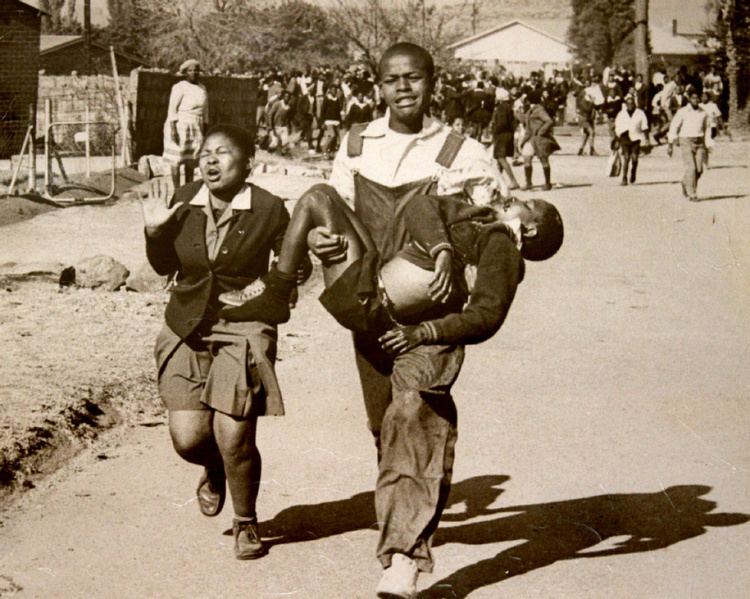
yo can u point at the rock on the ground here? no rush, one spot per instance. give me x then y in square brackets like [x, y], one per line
[101, 272]
[144, 278]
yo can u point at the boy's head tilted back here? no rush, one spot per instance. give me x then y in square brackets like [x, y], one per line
[541, 225]
[548, 237]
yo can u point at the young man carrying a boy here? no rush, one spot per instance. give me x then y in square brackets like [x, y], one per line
[406, 382]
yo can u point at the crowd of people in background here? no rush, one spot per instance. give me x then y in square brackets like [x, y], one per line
[311, 109]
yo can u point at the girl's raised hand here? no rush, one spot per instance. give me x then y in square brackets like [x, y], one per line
[155, 205]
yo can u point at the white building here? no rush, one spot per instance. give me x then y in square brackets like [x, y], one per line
[521, 46]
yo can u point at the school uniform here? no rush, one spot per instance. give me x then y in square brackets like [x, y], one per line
[503, 128]
[631, 130]
[538, 133]
[203, 361]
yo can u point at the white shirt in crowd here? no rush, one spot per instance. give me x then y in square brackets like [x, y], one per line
[594, 93]
[690, 122]
[713, 112]
[636, 124]
[393, 159]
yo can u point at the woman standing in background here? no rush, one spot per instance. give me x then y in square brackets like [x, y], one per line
[187, 119]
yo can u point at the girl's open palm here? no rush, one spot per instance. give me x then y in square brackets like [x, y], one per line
[155, 205]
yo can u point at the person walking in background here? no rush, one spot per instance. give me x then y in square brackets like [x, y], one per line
[640, 92]
[453, 104]
[305, 114]
[611, 108]
[538, 140]
[279, 120]
[586, 117]
[631, 129]
[359, 109]
[503, 128]
[187, 119]
[690, 130]
[714, 119]
[331, 119]
[478, 107]
[596, 95]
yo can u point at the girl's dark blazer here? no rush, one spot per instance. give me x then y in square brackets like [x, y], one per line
[244, 255]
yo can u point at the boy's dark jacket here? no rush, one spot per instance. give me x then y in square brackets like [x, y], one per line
[244, 255]
[434, 221]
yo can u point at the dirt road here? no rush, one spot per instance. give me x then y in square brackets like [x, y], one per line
[603, 446]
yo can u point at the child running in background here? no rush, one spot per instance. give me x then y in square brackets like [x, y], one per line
[418, 296]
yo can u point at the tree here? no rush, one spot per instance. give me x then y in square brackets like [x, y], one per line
[730, 37]
[370, 26]
[475, 8]
[225, 35]
[641, 38]
[61, 16]
[601, 31]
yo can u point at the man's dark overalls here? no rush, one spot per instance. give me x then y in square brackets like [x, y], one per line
[408, 399]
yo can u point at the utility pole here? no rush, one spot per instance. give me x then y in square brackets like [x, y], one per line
[641, 39]
[87, 34]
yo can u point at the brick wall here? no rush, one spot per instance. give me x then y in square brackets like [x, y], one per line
[69, 95]
[19, 66]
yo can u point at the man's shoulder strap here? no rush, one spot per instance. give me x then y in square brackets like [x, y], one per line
[450, 149]
[445, 157]
[355, 140]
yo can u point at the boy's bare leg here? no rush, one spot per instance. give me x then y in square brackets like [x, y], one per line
[321, 206]
[506, 168]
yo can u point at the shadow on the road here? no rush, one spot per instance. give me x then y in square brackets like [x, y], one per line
[577, 528]
[314, 521]
[722, 197]
[641, 184]
[718, 166]
[556, 187]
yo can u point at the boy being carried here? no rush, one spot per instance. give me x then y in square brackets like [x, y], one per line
[418, 296]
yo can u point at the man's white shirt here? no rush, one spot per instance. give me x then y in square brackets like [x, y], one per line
[392, 159]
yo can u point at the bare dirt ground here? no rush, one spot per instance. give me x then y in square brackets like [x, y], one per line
[603, 452]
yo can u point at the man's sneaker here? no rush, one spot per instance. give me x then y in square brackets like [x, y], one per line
[240, 296]
[399, 581]
[247, 543]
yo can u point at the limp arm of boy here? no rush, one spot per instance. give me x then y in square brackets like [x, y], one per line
[500, 269]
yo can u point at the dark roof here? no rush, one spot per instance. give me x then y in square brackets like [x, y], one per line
[53, 43]
[33, 4]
